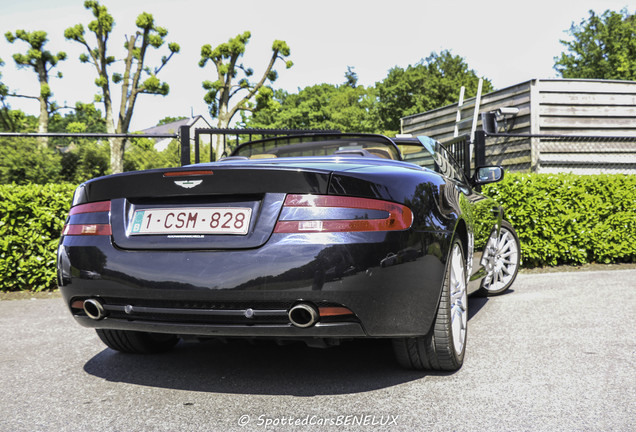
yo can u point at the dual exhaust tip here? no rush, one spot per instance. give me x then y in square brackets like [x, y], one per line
[302, 315]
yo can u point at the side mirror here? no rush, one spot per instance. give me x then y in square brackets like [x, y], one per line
[488, 174]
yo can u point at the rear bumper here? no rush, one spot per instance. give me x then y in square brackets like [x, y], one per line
[319, 330]
[391, 281]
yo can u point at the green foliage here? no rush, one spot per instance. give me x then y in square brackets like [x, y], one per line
[4, 90]
[36, 56]
[281, 47]
[602, 47]
[137, 77]
[225, 58]
[24, 160]
[142, 155]
[103, 23]
[36, 40]
[351, 77]
[76, 33]
[169, 119]
[41, 61]
[322, 106]
[16, 120]
[570, 219]
[153, 85]
[6, 121]
[145, 21]
[74, 160]
[84, 118]
[31, 221]
[431, 83]
[45, 91]
[561, 219]
[83, 160]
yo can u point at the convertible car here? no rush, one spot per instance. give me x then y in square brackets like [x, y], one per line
[318, 238]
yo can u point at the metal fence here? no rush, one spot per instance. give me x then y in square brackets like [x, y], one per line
[77, 157]
[461, 149]
[230, 139]
[557, 153]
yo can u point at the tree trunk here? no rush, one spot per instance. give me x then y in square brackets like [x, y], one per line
[117, 147]
[218, 139]
[43, 122]
[218, 146]
[116, 144]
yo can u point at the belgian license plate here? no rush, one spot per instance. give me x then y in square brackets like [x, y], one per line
[209, 220]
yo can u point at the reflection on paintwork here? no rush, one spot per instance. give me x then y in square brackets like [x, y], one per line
[391, 280]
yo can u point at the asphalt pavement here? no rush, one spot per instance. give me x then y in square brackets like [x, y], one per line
[557, 353]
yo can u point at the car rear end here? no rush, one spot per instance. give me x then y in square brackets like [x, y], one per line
[253, 249]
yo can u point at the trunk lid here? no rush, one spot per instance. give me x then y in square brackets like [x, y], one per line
[177, 207]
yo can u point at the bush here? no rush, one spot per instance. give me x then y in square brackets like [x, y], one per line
[561, 219]
[84, 160]
[25, 161]
[570, 219]
[31, 220]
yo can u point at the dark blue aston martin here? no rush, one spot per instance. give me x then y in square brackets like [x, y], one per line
[318, 238]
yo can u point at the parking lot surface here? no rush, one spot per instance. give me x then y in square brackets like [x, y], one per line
[556, 353]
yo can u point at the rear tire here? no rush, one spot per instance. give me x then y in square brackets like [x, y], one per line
[443, 348]
[134, 342]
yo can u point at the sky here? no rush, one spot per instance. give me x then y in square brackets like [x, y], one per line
[506, 41]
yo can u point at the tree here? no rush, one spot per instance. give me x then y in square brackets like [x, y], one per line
[351, 77]
[132, 81]
[321, 106]
[169, 119]
[42, 62]
[221, 91]
[603, 47]
[13, 120]
[25, 161]
[6, 122]
[85, 117]
[431, 83]
[143, 155]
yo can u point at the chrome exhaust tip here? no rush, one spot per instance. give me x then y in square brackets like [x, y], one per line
[303, 315]
[94, 309]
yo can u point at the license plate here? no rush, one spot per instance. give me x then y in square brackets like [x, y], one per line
[216, 220]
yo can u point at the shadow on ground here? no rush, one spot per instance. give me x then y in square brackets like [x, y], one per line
[264, 368]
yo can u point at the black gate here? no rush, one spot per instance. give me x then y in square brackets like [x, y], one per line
[236, 133]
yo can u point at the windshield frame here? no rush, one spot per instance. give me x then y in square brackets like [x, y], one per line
[296, 142]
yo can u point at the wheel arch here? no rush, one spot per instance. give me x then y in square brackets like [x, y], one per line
[461, 232]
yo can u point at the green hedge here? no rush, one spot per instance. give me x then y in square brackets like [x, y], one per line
[561, 219]
[31, 220]
[570, 219]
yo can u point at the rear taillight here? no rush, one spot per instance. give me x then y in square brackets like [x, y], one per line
[95, 207]
[89, 219]
[325, 213]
